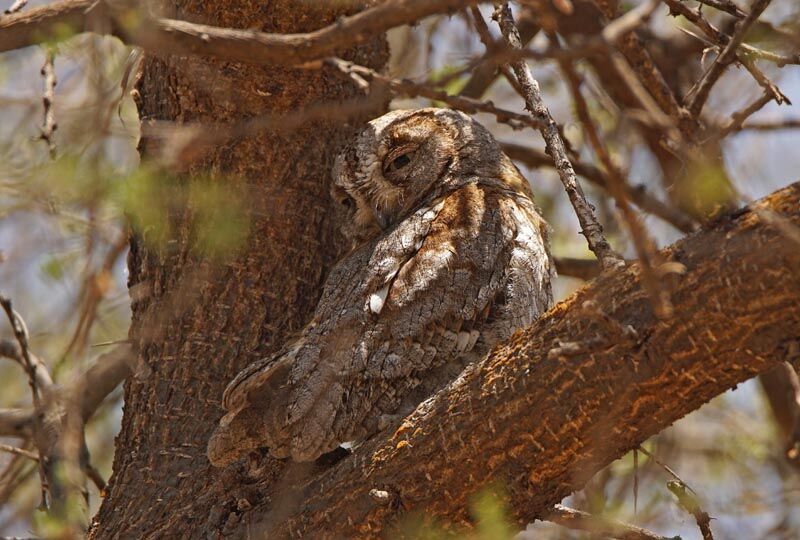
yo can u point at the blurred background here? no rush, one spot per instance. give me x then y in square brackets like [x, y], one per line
[63, 238]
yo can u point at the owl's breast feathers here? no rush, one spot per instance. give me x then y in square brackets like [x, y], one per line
[398, 318]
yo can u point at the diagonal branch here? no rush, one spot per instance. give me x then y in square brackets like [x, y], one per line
[591, 228]
[107, 372]
[542, 421]
[598, 526]
[637, 193]
[698, 95]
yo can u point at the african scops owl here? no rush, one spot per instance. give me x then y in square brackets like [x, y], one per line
[449, 257]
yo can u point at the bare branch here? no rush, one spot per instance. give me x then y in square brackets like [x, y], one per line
[638, 194]
[719, 38]
[12, 351]
[107, 372]
[16, 423]
[166, 36]
[412, 89]
[19, 451]
[697, 96]
[738, 118]
[584, 269]
[591, 228]
[617, 187]
[648, 76]
[782, 388]
[35, 371]
[16, 6]
[604, 527]
[49, 125]
[727, 6]
[688, 501]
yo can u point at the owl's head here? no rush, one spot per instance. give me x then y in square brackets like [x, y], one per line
[406, 157]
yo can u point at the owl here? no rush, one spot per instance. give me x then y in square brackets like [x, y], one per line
[448, 257]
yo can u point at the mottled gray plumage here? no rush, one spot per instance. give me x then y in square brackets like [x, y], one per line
[449, 257]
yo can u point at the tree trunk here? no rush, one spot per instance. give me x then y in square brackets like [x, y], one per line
[198, 320]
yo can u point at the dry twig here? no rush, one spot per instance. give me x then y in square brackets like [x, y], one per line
[697, 96]
[185, 38]
[19, 451]
[16, 6]
[636, 193]
[412, 89]
[602, 527]
[591, 228]
[725, 5]
[616, 185]
[688, 501]
[738, 118]
[33, 369]
[49, 125]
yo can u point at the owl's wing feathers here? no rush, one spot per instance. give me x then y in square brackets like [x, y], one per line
[254, 377]
[432, 289]
[259, 393]
[450, 277]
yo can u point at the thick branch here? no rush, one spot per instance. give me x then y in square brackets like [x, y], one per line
[108, 371]
[570, 394]
[185, 38]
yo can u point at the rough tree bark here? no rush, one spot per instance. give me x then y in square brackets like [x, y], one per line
[196, 323]
[591, 380]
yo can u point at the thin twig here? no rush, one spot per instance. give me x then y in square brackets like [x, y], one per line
[719, 38]
[636, 193]
[688, 501]
[738, 118]
[105, 374]
[49, 125]
[642, 242]
[698, 95]
[19, 451]
[21, 334]
[20, 331]
[725, 5]
[591, 228]
[414, 89]
[16, 6]
[485, 71]
[599, 526]
[92, 293]
[648, 75]
[664, 466]
[486, 38]
[13, 351]
[686, 496]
